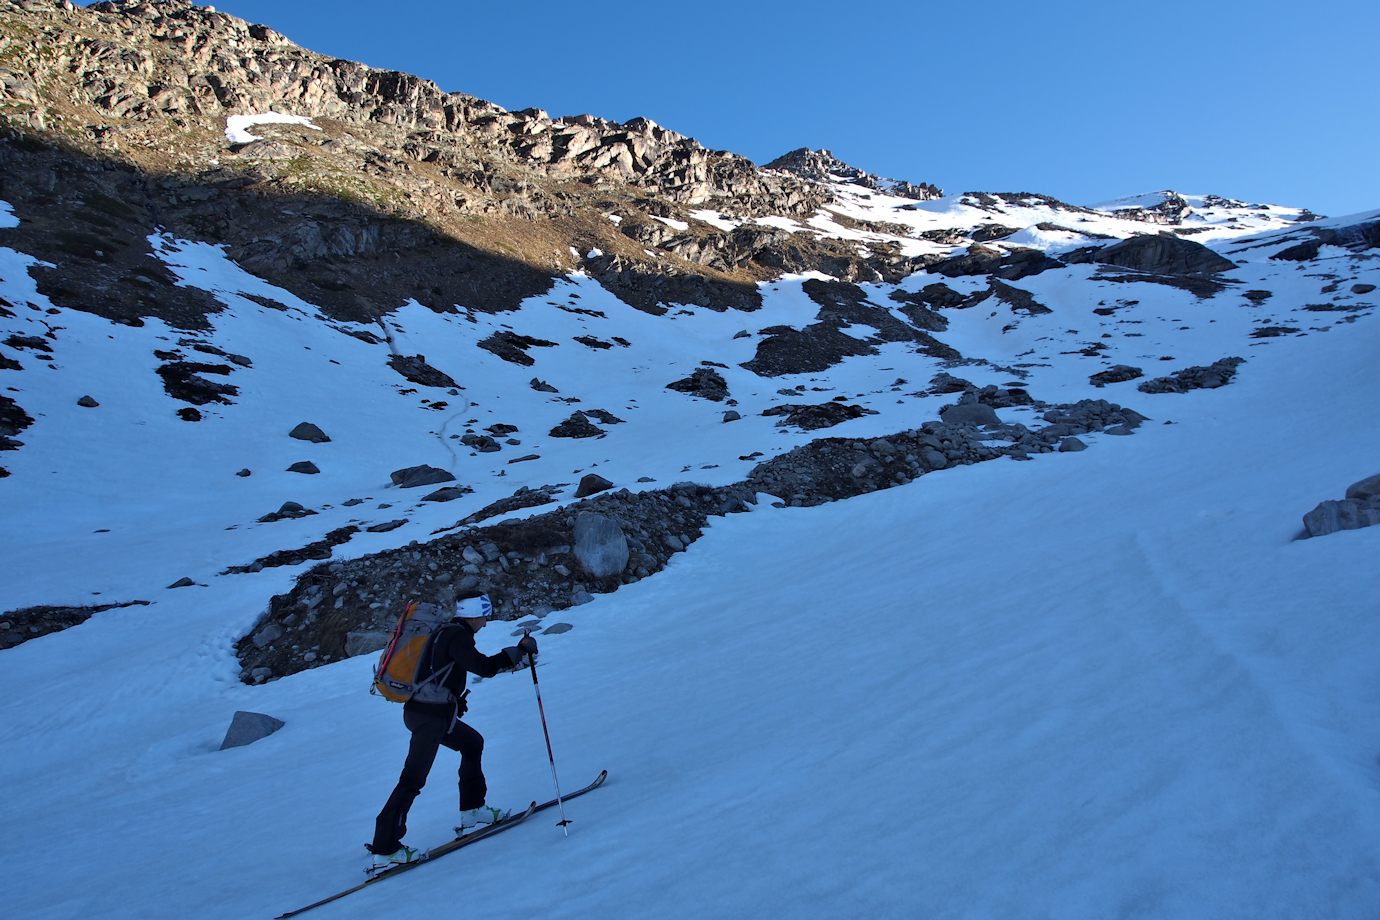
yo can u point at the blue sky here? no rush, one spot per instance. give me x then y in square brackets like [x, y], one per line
[1267, 101]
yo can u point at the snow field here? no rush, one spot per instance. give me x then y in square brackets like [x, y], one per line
[1098, 684]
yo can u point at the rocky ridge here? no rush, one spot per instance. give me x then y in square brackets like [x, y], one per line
[823, 166]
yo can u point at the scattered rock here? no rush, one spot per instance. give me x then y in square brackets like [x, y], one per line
[1117, 373]
[814, 417]
[244, 473]
[555, 629]
[577, 426]
[189, 414]
[532, 564]
[248, 727]
[424, 475]
[415, 369]
[182, 583]
[1210, 377]
[512, 347]
[1362, 288]
[306, 431]
[86, 402]
[20, 626]
[1071, 444]
[541, 386]
[482, 443]
[704, 383]
[732, 415]
[183, 381]
[304, 466]
[386, 526]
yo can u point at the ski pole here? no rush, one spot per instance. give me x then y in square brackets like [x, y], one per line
[532, 665]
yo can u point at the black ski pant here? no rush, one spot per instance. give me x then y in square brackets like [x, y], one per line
[429, 733]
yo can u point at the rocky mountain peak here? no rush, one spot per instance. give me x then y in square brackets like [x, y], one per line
[823, 166]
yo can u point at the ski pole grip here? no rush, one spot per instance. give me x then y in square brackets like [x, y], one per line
[531, 659]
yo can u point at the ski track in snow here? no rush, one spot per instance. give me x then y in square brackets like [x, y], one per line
[1103, 684]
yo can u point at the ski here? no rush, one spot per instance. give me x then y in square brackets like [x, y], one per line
[450, 846]
[598, 781]
[428, 856]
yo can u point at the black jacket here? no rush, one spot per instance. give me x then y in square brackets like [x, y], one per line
[454, 642]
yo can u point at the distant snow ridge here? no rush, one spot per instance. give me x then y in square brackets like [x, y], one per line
[1170, 207]
[823, 166]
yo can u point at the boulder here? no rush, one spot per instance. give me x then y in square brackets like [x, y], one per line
[1071, 444]
[361, 642]
[86, 402]
[1362, 288]
[412, 476]
[446, 494]
[590, 484]
[248, 727]
[306, 431]
[1332, 516]
[304, 466]
[969, 415]
[1367, 490]
[600, 549]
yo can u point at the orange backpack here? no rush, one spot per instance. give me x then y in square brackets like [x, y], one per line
[406, 670]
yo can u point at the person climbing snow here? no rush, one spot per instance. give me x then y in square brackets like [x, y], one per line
[433, 724]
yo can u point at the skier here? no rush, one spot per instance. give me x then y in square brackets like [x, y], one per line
[436, 724]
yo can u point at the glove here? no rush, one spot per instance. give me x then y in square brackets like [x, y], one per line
[516, 653]
[462, 704]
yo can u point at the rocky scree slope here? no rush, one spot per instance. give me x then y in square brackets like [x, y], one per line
[551, 561]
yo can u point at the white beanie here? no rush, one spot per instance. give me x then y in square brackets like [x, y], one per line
[473, 607]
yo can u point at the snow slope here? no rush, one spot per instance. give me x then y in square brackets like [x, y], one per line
[1108, 683]
[1102, 684]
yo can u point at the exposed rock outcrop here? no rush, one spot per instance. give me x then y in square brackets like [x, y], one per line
[1158, 254]
[823, 166]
